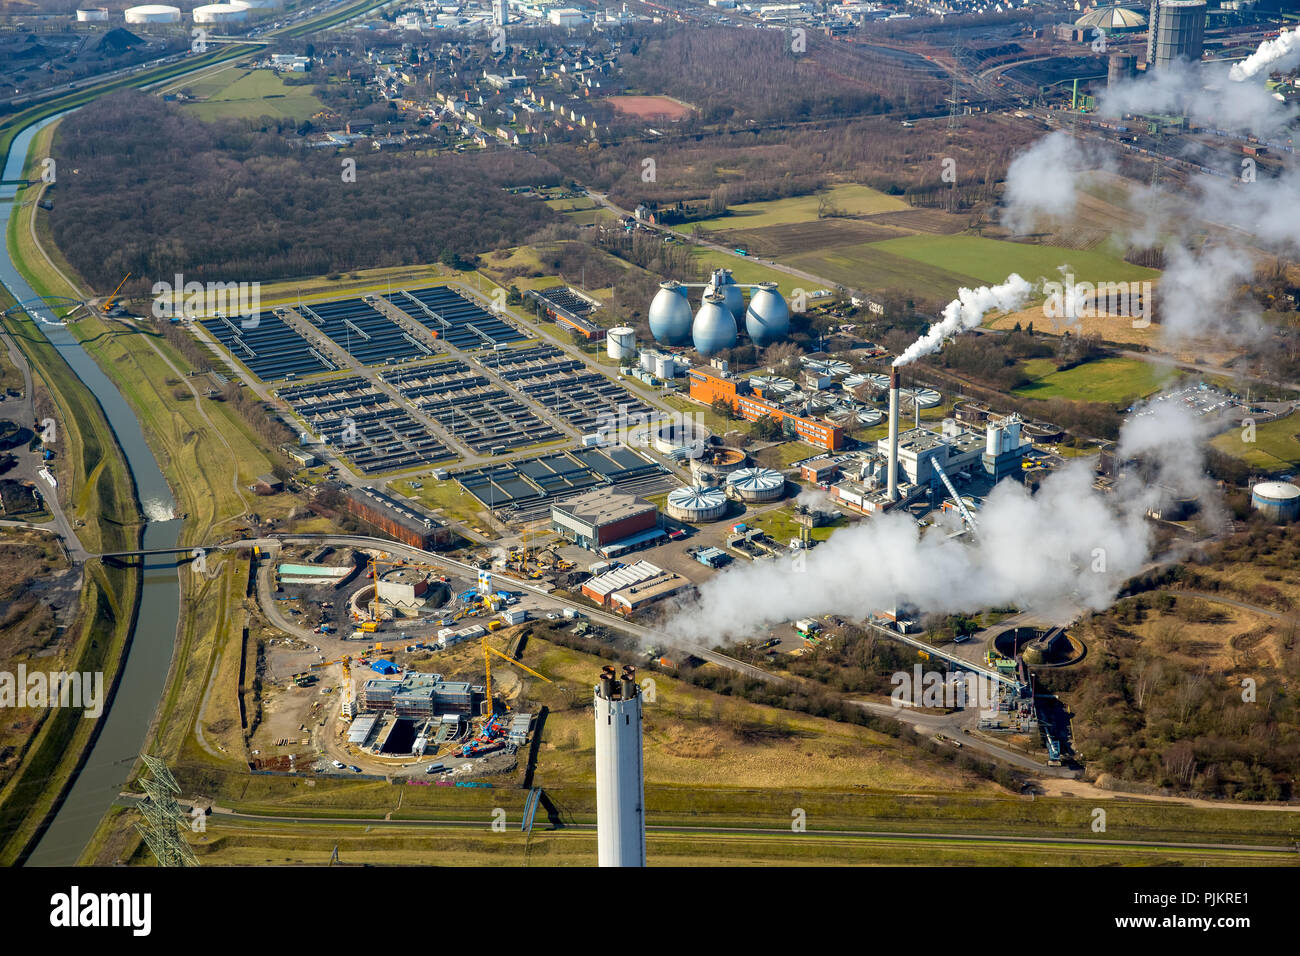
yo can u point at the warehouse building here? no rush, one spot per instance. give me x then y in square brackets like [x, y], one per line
[397, 520]
[629, 589]
[567, 308]
[707, 385]
[419, 695]
[606, 519]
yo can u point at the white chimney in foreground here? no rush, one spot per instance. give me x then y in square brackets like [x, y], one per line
[620, 777]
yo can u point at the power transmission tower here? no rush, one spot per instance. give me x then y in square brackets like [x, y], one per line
[162, 828]
[952, 97]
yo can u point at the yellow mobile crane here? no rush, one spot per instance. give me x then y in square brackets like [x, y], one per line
[488, 651]
[347, 707]
[108, 304]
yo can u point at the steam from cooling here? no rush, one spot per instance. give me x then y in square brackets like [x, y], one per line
[1067, 548]
[1276, 54]
[966, 312]
[1041, 182]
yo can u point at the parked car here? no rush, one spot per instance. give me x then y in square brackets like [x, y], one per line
[338, 764]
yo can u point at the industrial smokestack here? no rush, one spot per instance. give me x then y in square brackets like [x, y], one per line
[893, 433]
[620, 778]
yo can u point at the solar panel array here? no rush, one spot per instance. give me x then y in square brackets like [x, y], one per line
[365, 425]
[566, 298]
[455, 318]
[271, 350]
[368, 335]
[471, 406]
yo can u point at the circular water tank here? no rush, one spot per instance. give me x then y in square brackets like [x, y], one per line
[695, 504]
[924, 397]
[870, 416]
[670, 314]
[715, 327]
[152, 13]
[681, 437]
[722, 283]
[756, 484]
[831, 367]
[822, 400]
[767, 319]
[1278, 500]
[92, 14]
[620, 342]
[232, 12]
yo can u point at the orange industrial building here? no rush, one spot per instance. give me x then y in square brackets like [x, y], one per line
[709, 385]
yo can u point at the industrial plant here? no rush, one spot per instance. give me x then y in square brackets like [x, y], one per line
[721, 314]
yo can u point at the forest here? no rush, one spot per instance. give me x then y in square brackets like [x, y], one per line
[145, 188]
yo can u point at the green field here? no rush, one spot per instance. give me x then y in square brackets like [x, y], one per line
[992, 260]
[247, 94]
[867, 265]
[1275, 446]
[748, 271]
[1113, 380]
[851, 199]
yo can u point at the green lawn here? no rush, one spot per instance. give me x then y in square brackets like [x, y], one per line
[992, 260]
[868, 265]
[852, 199]
[1275, 446]
[1113, 380]
[251, 93]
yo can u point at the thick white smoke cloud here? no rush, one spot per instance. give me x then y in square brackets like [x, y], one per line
[1204, 92]
[1041, 182]
[1280, 53]
[1067, 548]
[966, 312]
[1199, 295]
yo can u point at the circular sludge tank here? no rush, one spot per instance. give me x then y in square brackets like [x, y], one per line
[971, 413]
[713, 466]
[769, 386]
[820, 401]
[233, 12]
[92, 14]
[832, 367]
[714, 328]
[767, 319]
[670, 315]
[870, 416]
[724, 284]
[923, 397]
[152, 13]
[756, 484]
[872, 380]
[1276, 500]
[680, 437]
[620, 342]
[1042, 433]
[696, 504]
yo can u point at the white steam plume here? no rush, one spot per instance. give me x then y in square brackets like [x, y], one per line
[1067, 548]
[966, 312]
[1276, 54]
[1202, 91]
[1041, 182]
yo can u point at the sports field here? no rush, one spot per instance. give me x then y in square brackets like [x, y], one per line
[992, 260]
[247, 94]
[1113, 380]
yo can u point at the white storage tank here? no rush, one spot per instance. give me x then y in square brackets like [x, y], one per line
[665, 366]
[620, 342]
[152, 13]
[236, 11]
[670, 314]
[767, 319]
[92, 15]
[1278, 500]
[756, 484]
[697, 504]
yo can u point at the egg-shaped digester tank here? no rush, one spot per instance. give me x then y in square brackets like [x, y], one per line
[715, 327]
[767, 319]
[670, 315]
[724, 284]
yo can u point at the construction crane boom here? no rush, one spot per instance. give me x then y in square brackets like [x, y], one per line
[488, 651]
[109, 304]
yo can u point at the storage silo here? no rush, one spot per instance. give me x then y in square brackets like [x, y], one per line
[620, 342]
[697, 504]
[722, 283]
[152, 13]
[714, 328]
[1276, 500]
[216, 13]
[1120, 68]
[753, 485]
[92, 15]
[1177, 31]
[670, 315]
[767, 319]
